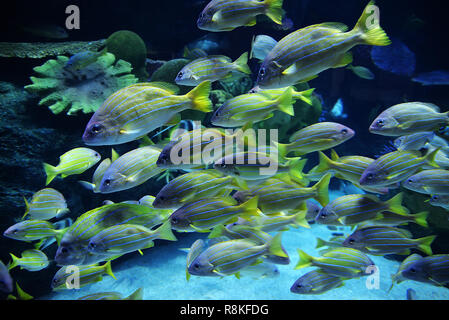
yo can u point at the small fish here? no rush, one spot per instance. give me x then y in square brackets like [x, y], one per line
[413, 141]
[229, 257]
[381, 240]
[433, 269]
[333, 243]
[6, 282]
[226, 15]
[394, 219]
[316, 282]
[362, 72]
[303, 54]
[261, 46]
[257, 166]
[46, 204]
[433, 78]
[408, 118]
[440, 201]
[131, 169]
[395, 167]
[337, 110]
[253, 108]
[97, 176]
[397, 277]
[30, 230]
[280, 222]
[195, 250]
[305, 96]
[75, 161]
[132, 112]
[194, 53]
[212, 68]
[127, 238]
[136, 295]
[193, 186]
[277, 195]
[316, 137]
[85, 275]
[429, 182]
[31, 260]
[205, 214]
[261, 270]
[342, 262]
[355, 208]
[83, 59]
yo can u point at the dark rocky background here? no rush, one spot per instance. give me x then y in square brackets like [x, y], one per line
[30, 135]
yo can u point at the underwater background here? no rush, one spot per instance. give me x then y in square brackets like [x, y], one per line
[32, 134]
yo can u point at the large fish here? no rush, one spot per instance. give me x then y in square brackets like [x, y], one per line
[433, 269]
[429, 182]
[136, 110]
[303, 54]
[226, 15]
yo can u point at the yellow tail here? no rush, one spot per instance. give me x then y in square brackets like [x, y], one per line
[274, 10]
[424, 244]
[285, 102]
[322, 188]
[165, 232]
[200, 97]
[51, 172]
[108, 269]
[368, 24]
[241, 64]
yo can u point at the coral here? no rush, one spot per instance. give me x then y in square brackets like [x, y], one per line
[84, 90]
[168, 71]
[38, 50]
[129, 46]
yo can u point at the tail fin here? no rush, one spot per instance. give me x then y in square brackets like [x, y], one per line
[108, 269]
[136, 295]
[200, 97]
[424, 244]
[27, 208]
[22, 295]
[368, 24]
[304, 260]
[241, 64]
[14, 262]
[58, 234]
[421, 219]
[250, 208]
[51, 172]
[285, 102]
[217, 231]
[274, 10]
[395, 204]
[275, 246]
[282, 149]
[305, 96]
[165, 232]
[322, 189]
[430, 158]
[334, 155]
[87, 185]
[325, 163]
[300, 220]
[320, 243]
[296, 171]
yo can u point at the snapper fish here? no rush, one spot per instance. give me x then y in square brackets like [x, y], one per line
[212, 68]
[316, 137]
[316, 282]
[226, 15]
[433, 269]
[46, 204]
[303, 54]
[414, 141]
[131, 169]
[397, 277]
[132, 112]
[305, 96]
[30, 230]
[31, 260]
[440, 201]
[408, 118]
[429, 182]
[75, 161]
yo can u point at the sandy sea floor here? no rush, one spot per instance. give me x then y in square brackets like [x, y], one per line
[161, 272]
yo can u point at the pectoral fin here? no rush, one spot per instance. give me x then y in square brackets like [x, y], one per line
[290, 70]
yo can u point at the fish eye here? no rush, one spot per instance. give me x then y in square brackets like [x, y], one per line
[96, 155]
[412, 270]
[64, 250]
[174, 220]
[162, 198]
[410, 180]
[351, 241]
[96, 128]
[370, 176]
[15, 231]
[92, 245]
[262, 72]
[435, 197]
[107, 182]
[441, 129]
[180, 74]
[380, 123]
[344, 131]
[196, 265]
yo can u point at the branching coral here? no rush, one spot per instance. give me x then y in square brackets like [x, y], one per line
[83, 90]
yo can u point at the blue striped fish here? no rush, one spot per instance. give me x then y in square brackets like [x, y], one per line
[46, 204]
[381, 240]
[342, 262]
[131, 169]
[30, 230]
[408, 118]
[303, 54]
[205, 214]
[433, 269]
[395, 167]
[316, 137]
[195, 250]
[398, 277]
[226, 15]
[127, 238]
[316, 282]
[413, 141]
[429, 182]
[132, 112]
[228, 257]
[193, 186]
[212, 68]
[439, 200]
[64, 278]
[136, 295]
[355, 208]
[73, 246]
[75, 161]
[31, 260]
[238, 111]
